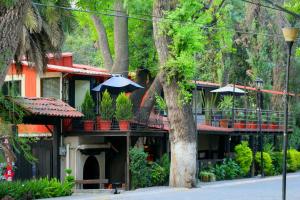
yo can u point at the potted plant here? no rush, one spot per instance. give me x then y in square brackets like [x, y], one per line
[106, 112]
[240, 118]
[252, 119]
[206, 176]
[225, 106]
[274, 121]
[123, 111]
[88, 111]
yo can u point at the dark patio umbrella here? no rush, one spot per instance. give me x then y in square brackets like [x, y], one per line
[117, 84]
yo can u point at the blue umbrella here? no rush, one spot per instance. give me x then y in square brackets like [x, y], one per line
[117, 84]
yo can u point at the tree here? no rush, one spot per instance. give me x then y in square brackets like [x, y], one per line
[31, 31]
[179, 39]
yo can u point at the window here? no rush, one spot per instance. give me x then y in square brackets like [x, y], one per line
[50, 87]
[12, 88]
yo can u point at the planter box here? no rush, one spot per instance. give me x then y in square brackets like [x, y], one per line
[88, 125]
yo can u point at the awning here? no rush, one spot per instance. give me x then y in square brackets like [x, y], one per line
[46, 107]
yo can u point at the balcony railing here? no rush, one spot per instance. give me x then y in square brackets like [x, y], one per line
[240, 118]
[143, 119]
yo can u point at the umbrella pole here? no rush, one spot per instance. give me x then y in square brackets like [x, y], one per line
[233, 104]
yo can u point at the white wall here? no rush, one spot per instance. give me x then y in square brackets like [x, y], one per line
[77, 159]
[81, 87]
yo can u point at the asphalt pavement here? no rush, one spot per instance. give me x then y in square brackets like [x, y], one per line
[268, 188]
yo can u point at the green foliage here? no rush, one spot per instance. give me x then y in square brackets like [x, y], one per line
[123, 107]
[277, 160]
[252, 117]
[106, 106]
[35, 189]
[240, 116]
[226, 103]
[191, 43]
[293, 160]
[146, 174]
[207, 176]
[88, 106]
[244, 157]
[69, 179]
[268, 166]
[274, 118]
[164, 162]
[140, 171]
[229, 169]
[161, 103]
[158, 174]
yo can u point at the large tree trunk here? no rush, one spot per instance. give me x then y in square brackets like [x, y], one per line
[11, 24]
[121, 40]
[182, 128]
[103, 41]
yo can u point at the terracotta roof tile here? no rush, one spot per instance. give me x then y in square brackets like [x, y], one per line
[47, 107]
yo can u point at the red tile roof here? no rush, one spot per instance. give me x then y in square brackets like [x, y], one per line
[46, 107]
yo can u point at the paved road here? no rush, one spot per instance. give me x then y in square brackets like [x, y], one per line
[245, 189]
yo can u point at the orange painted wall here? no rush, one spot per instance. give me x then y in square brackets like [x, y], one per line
[30, 78]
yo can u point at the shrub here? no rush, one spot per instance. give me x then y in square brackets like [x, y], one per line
[293, 160]
[207, 176]
[268, 166]
[106, 106]
[140, 170]
[219, 171]
[35, 189]
[123, 107]
[87, 107]
[229, 169]
[244, 157]
[164, 162]
[277, 159]
[158, 174]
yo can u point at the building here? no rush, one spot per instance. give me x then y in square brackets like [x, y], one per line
[103, 155]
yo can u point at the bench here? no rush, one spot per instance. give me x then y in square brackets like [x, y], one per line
[80, 183]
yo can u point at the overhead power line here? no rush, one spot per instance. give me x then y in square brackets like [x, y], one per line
[195, 24]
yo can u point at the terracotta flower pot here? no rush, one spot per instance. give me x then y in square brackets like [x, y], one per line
[239, 125]
[98, 123]
[264, 125]
[124, 125]
[273, 126]
[88, 125]
[105, 125]
[251, 125]
[224, 123]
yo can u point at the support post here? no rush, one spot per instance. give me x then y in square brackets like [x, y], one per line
[252, 147]
[285, 136]
[127, 161]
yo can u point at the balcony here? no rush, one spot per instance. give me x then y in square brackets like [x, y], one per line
[141, 122]
[242, 120]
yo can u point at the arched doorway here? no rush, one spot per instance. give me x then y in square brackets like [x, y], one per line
[91, 171]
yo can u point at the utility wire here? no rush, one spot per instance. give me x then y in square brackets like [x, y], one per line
[151, 20]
